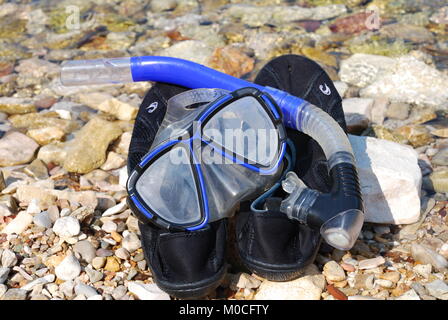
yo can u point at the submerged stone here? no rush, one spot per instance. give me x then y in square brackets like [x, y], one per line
[16, 148]
[16, 105]
[88, 150]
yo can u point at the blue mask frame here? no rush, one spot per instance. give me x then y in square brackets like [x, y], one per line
[142, 210]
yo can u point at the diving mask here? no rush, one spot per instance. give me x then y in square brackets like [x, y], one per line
[206, 159]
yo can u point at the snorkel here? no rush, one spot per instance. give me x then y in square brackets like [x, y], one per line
[338, 214]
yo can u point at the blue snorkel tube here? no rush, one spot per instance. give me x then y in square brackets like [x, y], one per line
[338, 214]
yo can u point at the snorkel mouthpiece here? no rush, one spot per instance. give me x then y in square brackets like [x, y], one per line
[338, 214]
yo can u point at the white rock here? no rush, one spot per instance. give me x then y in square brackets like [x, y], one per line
[423, 270]
[362, 106]
[9, 258]
[65, 212]
[85, 290]
[243, 281]
[116, 209]
[131, 242]
[95, 297]
[402, 79]
[109, 226]
[123, 176]
[40, 281]
[67, 288]
[341, 87]
[33, 207]
[409, 295]
[444, 250]
[122, 253]
[428, 256]
[147, 291]
[390, 180]
[362, 69]
[438, 289]
[113, 161]
[68, 269]
[371, 263]
[66, 227]
[305, 288]
[384, 283]
[19, 224]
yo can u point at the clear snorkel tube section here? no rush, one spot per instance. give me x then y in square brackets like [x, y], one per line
[338, 214]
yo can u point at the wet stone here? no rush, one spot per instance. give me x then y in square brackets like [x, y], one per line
[85, 154]
[16, 148]
[37, 169]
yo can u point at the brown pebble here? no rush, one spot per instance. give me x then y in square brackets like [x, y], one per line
[45, 102]
[336, 293]
[400, 289]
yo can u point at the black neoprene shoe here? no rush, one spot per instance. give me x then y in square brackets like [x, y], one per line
[189, 264]
[270, 244]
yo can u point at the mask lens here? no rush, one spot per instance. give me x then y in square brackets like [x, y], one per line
[168, 188]
[244, 127]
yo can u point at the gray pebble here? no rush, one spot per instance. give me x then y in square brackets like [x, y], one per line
[122, 253]
[438, 289]
[85, 249]
[42, 219]
[3, 274]
[85, 290]
[14, 294]
[67, 288]
[119, 292]
[141, 265]
[441, 158]
[131, 242]
[9, 258]
[132, 273]
[94, 276]
[104, 253]
[138, 257]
